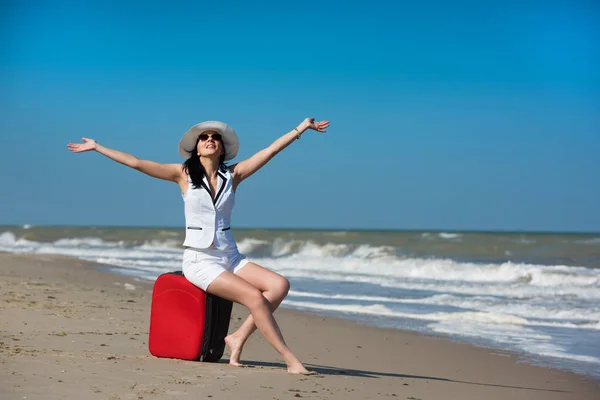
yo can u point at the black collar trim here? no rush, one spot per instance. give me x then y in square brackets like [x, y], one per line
[223, 184]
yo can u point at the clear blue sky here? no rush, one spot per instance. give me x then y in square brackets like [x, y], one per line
[444, 115]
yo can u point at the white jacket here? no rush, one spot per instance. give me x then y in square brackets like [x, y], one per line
[207, 222]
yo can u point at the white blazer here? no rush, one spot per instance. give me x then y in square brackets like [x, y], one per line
[208, 222]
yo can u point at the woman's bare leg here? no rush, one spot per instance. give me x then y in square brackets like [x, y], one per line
[234, 288]
[274, 288]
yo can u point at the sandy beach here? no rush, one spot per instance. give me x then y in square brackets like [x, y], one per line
[70, 330]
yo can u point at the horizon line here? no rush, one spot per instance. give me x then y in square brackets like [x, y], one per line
[420, 230]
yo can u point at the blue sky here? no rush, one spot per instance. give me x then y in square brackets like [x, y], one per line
[444, 115]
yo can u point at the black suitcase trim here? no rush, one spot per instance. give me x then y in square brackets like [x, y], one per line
[216, 326]
[218, 311]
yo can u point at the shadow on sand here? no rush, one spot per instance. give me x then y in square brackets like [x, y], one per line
[326, 370]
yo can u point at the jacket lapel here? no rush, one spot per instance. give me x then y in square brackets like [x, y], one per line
[222, 184]
[206, 186]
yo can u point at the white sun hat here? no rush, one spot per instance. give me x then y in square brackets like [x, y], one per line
[230, 141]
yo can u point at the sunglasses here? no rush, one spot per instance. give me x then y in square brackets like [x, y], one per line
[204, 137]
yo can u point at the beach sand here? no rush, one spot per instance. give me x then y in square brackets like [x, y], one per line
[70, 330]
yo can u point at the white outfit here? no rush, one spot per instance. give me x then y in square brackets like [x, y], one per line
[202, 266]
[206, 222]
[210, 246]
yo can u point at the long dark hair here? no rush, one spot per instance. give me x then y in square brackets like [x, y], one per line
[194, 167]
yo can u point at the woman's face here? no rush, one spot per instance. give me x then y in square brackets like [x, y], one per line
[210, 144]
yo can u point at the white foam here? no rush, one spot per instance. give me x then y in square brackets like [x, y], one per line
[375, 309]
[508, 291]
[441, 235]
[114, 253]
[155, 268]
[511, 279]
[524, 338]
[313, 295]
[445, 235]
[168, 245]
[312, 250]
[9, 242]
[250, 244]
[379, 309]
[150, 257]
[374, 252]
[522, 240]
[283, 247]
[483, 304]
[308, 249]
[448, 270]
[86, 242]
[497, 327]
[591, 326]
[592, 241]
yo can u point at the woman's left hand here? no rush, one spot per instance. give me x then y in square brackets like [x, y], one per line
[309, 123]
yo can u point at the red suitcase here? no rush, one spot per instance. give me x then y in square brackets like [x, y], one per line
[186, 322]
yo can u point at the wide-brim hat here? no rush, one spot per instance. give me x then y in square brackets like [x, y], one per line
[230, 141]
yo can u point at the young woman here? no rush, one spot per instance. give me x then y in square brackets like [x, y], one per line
[211, 259]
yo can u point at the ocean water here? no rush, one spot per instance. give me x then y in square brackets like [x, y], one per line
[535, 294]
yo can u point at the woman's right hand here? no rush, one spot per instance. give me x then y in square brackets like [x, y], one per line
[89, 144]
[309, 123]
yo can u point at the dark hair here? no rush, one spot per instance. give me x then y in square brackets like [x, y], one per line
[194, 167]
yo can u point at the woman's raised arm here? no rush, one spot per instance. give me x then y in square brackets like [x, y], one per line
[245, 168]
[169, 172]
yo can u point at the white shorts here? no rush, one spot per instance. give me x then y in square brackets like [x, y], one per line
[202, 266]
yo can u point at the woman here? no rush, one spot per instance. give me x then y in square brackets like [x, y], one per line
[211, 259]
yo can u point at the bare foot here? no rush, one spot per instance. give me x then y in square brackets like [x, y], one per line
[307, 373]
[298, 368]
[236, 351]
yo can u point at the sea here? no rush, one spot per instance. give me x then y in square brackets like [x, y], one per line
[534, 294]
